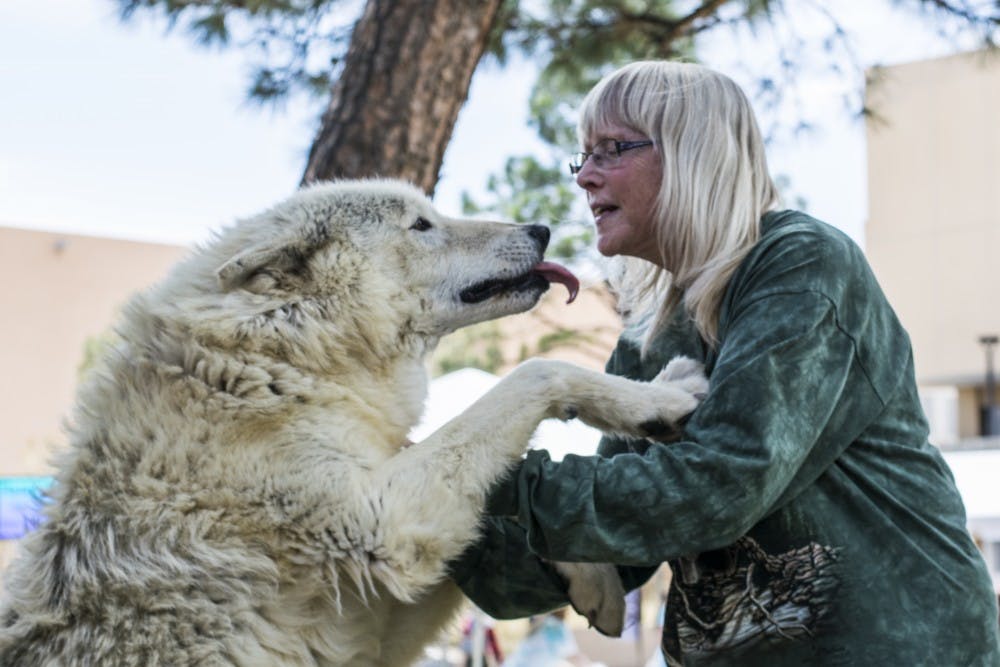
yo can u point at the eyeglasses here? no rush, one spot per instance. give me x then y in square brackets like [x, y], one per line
[606, 153]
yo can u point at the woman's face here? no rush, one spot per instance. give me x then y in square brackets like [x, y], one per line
[623, 197]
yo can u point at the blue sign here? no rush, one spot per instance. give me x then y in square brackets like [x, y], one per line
[21, 500]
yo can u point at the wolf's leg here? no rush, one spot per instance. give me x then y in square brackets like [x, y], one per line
[413, 626]
[425, 503]
[621, 406]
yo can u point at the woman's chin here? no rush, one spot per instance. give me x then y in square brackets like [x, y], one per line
[607, 252]
[608, 247]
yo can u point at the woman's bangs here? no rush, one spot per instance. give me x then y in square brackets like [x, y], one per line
[607, 105]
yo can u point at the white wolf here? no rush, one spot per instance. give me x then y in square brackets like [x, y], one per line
[239, 489]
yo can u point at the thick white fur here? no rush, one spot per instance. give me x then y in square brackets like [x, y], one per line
[238, 490]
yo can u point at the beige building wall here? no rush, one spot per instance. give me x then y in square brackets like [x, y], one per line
[56, 291]
[933, 235]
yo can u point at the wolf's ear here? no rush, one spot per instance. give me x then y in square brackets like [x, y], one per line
[240, 268]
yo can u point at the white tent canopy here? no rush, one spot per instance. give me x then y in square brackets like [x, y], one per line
[449, 394]
[977, 475]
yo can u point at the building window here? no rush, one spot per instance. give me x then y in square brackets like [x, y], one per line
[21, 500]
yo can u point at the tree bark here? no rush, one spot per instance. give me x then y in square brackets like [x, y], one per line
[406, 76]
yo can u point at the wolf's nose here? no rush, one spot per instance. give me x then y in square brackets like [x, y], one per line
[540, 233]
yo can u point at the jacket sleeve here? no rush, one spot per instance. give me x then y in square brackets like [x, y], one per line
[503, 578]
[783, 370]
[501, 575]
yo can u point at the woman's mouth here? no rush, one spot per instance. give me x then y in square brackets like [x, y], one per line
[602, 209]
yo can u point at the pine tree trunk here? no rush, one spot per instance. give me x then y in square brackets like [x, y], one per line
[405, 78]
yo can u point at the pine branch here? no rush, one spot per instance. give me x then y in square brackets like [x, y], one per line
[966, 12]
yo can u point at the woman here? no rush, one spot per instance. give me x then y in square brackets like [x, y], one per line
[805, 516]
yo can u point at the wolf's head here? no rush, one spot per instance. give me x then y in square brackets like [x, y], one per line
[359, 268]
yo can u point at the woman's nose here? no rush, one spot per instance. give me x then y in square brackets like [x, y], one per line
[587, 177]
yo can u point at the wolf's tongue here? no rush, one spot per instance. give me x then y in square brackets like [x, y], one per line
[556, 273]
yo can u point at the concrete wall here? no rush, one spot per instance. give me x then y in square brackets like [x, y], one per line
[57, 291]
[933, 235]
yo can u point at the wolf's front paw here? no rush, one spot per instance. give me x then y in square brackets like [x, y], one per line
[686, 374]
[683, 385]
[596, 592]
[679, 368]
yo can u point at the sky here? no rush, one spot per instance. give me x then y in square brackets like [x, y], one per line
[131, 131]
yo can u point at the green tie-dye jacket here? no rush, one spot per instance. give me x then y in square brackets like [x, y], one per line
[805, 516]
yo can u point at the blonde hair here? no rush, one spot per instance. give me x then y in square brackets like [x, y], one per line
[715, 186]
